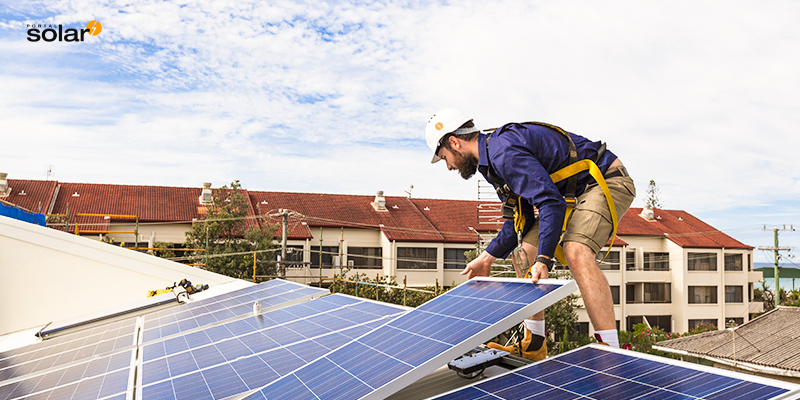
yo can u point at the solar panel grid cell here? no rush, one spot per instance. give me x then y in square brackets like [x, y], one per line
[595, 373]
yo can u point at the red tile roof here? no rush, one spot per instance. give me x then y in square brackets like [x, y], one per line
[34, 196]
[680, 227]
[405, 219]
[401, 221]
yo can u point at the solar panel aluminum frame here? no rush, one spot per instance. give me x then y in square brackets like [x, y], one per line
[793, 389]
[566, 288]
[148, 305]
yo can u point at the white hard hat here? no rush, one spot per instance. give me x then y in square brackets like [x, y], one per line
[443, 122]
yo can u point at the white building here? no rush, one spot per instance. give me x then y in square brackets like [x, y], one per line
[675, 271]
[666, 268]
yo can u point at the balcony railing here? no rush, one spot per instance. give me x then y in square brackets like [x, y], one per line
[648, 302]
[648, 268]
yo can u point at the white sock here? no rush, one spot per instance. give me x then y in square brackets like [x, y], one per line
[536, 327]
[609, 336]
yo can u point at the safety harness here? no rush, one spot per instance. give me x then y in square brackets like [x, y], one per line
[512, 203]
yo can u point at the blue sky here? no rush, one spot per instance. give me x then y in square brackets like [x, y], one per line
[314, 96]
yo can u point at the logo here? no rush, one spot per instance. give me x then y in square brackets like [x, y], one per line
[439, 126]
[94, 27]
[48, 32]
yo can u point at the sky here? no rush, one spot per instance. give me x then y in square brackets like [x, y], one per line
[703, 97]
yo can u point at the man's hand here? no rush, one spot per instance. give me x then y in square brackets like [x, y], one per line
[480, 266]
[539, 271]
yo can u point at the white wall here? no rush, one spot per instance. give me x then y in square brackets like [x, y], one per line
[48, 275]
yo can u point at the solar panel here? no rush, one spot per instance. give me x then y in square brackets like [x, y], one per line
[409, 347]
[600, 372]
[57, 362]
[119, 335]
[242, 355]
[97, 378]
[191, 316]
[68, 348]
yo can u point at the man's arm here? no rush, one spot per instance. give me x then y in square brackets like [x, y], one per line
[527, 177]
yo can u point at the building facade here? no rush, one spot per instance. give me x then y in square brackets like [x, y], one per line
[665, 268]
[674, 271]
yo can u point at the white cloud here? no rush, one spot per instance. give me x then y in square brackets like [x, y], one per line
[333, 97]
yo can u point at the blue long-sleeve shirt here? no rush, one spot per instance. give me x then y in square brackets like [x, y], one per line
[524, 156]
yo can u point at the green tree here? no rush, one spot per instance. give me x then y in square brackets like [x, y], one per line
[164, 253]
[561, 319]
[652, 198]
[230, 237]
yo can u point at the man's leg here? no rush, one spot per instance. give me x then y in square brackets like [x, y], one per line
[594, 290]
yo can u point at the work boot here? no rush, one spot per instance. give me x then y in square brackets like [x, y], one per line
[532, 347]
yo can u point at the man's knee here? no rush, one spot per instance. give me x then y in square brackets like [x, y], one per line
[576, 252]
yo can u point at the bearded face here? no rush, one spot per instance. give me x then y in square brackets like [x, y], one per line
[467, 164]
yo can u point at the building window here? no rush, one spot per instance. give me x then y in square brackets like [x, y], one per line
[416, 258]
[733, 262]
[657, 292]
[662, 321]
[611, 263]
[615, 294]
[455, 258]
[582, 328]
[630, 291]
[630, 261]
[702, 295]
[656, 261]
[694, 323]
[733, 294]
[702, 261]
[733, 322]
[750, 291]
[648, 293]
[749, 263]
[365, 257]
[328, 253]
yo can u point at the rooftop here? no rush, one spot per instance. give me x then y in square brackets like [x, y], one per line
[767, 343]
[404, 219]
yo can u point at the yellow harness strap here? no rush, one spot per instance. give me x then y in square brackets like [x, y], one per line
[594, 171]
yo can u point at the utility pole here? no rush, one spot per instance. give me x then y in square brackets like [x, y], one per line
[285, 228]
[777, 249]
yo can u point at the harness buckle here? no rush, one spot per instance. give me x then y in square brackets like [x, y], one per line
[510, 201]
[572, 201]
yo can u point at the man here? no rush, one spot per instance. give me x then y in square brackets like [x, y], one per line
[522, 156]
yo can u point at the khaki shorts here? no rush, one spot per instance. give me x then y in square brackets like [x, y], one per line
[590, 223]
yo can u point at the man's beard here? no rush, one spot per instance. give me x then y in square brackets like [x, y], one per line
[466, 165]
